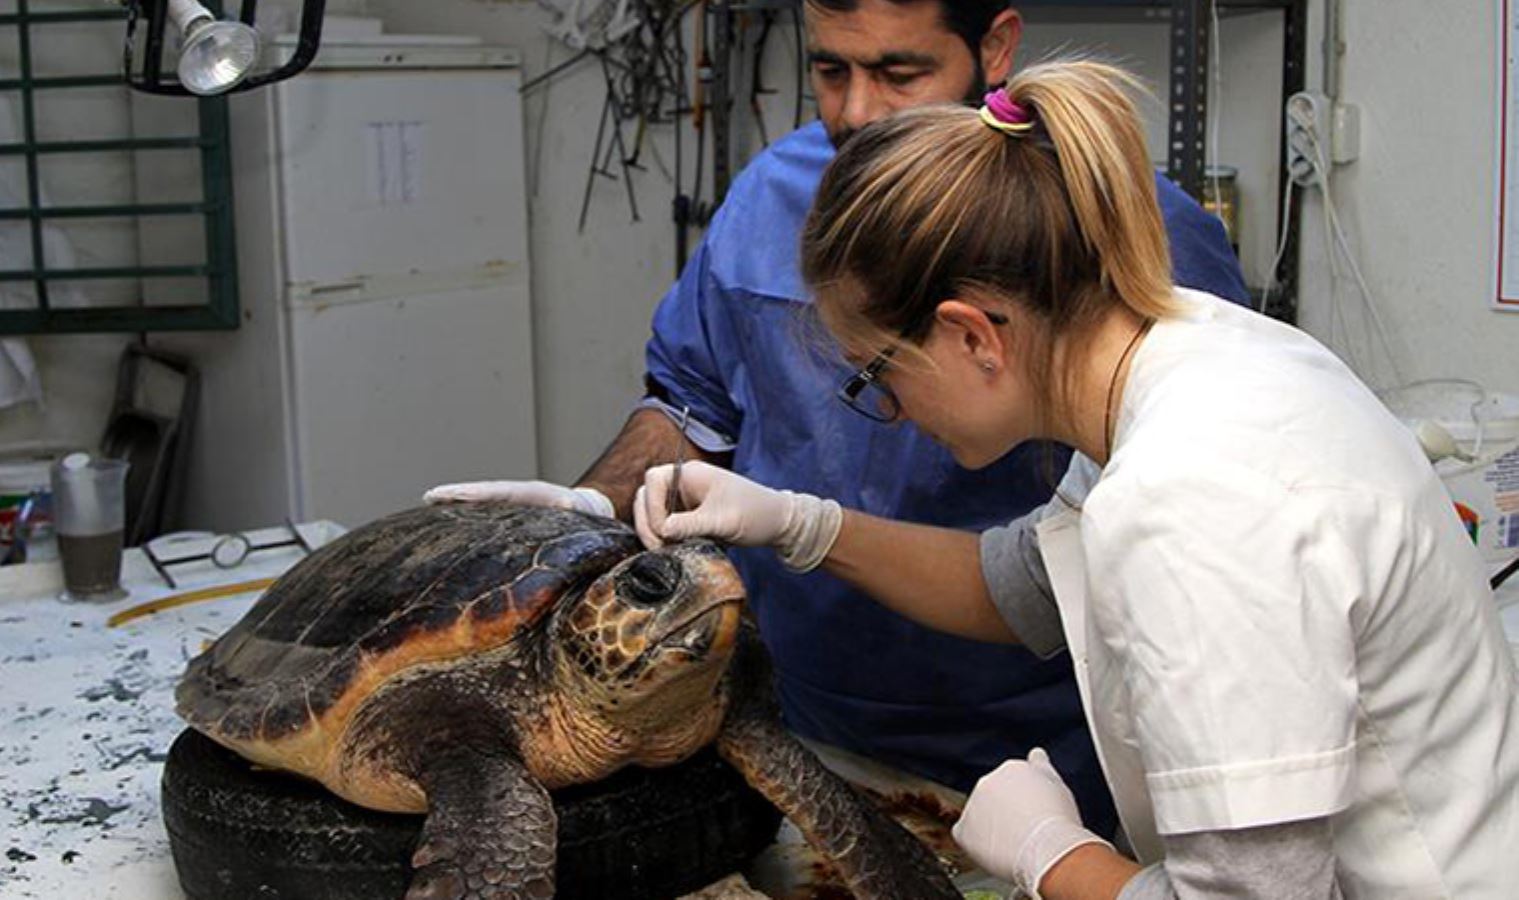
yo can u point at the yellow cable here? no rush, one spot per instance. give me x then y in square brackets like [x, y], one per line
[228, 590]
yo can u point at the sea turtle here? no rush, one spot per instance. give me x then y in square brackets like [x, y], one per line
[463, 660]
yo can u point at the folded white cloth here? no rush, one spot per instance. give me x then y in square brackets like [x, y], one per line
[20, 380]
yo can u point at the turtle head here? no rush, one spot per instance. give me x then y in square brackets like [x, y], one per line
[655, 632]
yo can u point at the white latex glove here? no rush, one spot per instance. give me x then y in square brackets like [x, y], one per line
[1020, 820]
[528, 493]
[731, 508]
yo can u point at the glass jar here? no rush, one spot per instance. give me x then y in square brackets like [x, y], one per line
[1221, 198]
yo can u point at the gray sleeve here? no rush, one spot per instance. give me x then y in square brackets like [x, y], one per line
[1020, 587]
[1013, 567]
[1292, 861]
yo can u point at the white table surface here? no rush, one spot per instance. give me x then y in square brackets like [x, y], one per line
[87, 714]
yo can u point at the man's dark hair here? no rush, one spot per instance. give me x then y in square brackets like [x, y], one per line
[970, 19]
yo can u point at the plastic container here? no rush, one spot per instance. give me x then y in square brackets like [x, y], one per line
[24, 488]
[20, 480]
[1485, 426]
[89, 505]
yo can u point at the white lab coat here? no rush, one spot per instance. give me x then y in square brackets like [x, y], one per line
[1275, 615]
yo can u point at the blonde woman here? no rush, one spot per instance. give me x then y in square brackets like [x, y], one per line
[1288, 655]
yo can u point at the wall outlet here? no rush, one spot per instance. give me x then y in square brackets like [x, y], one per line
[1319, 131]
[1308, 132]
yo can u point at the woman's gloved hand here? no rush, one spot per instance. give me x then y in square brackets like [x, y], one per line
[728, 507]
[528, 493]
[1020, 820]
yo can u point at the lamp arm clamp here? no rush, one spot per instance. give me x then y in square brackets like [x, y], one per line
[219, 56]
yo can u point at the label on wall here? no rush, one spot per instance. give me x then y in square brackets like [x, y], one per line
[395, 162]
[1506, 284]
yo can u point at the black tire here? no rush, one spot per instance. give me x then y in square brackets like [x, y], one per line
[237, 832]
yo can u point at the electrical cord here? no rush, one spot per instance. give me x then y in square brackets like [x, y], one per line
[1504, 575]
[1336, 243]
[1215, 112]
[757, 87]
[1272, 281]
[801, 63]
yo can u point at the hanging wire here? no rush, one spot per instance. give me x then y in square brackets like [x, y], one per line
[642, 60]
[652, 79]
[801, 63]
[757, 87]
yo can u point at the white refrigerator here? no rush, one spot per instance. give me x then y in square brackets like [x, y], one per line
[387, 336]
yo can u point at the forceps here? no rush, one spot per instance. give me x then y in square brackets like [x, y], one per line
[674, 502]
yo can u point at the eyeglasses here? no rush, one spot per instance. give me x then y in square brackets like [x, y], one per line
[865, 392]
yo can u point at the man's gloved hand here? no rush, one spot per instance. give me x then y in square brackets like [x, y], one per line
[528, 493]
[1020, 820]
[731, 508]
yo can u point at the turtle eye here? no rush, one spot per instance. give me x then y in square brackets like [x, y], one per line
[651, 579]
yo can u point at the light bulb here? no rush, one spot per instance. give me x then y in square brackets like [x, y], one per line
[216, 56]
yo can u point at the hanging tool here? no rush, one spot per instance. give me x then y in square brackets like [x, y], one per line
[601, 156]
[641, 47]
[757, 82]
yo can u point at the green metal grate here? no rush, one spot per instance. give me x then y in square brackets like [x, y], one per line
[140, 311]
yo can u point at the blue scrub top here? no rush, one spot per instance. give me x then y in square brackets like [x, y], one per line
[732, 341]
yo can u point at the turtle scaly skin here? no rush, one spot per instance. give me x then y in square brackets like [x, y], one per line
[462, 661]
[874, 855]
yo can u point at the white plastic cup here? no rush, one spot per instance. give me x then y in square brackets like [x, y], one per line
[89, 511]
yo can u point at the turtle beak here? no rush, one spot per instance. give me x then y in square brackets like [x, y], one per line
[711, 629]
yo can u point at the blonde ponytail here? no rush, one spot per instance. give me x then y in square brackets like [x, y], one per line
[1095, 128]
[1047, 201]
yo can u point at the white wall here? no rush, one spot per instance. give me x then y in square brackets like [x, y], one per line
[1418, 205]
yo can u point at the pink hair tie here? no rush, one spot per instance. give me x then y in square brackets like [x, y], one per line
[1001, 113]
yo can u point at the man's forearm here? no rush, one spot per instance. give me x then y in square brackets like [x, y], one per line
[648, 439]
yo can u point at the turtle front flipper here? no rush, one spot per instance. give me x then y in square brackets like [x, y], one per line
[877, 858]
[490, 831]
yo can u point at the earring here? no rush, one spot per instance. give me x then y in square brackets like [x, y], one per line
[988, 366]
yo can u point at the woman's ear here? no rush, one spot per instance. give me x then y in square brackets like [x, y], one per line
[972, 333]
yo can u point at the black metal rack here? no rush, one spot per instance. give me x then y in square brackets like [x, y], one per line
[1190, 23]
[1186, 150]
